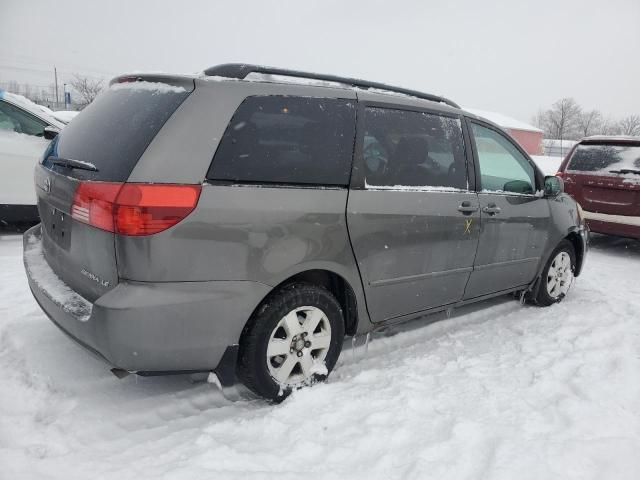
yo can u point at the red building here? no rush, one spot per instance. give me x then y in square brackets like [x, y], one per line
[528, 136]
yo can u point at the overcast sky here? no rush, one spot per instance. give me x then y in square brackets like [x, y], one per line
[508, 56]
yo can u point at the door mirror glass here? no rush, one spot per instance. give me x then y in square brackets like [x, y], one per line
[553, 186]
[518, 186]
[50, 133]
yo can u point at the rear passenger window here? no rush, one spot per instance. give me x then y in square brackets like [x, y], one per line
[278, 139]
[404, 148]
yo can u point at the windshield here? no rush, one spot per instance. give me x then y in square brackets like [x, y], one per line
[605, 158]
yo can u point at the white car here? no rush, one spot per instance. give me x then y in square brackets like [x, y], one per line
[25, 131]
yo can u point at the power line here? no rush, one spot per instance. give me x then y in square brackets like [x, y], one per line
[48, 71]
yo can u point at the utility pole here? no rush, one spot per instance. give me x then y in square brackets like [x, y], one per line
[55, 74]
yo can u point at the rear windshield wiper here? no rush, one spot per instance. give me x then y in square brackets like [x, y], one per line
[625, 170]
[71, 163]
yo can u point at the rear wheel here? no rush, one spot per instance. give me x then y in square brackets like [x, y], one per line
[293, 340]
[557, 276]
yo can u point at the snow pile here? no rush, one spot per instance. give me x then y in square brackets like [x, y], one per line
[500, 391]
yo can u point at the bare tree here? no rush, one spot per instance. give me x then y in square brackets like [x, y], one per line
[561, 120]
[28, 91]
[629, 125]
[538, 119]
[87, 88]
[590, 123]
[608, 126]
[13, 87]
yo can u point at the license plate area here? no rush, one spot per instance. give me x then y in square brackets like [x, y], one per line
[57, 225]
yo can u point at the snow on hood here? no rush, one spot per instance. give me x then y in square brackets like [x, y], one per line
[65, 116]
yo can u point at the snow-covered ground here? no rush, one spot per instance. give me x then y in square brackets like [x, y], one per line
[499, 391]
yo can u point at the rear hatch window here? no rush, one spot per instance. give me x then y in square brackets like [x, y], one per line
[606, 159]
[113, 132]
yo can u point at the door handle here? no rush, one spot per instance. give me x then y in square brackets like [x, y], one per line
[491, 209]
[466, 208]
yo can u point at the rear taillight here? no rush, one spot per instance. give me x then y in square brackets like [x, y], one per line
[133, 208]
[93, 203]
[143, 209]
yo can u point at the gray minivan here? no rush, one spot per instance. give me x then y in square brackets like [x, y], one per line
[244, 221]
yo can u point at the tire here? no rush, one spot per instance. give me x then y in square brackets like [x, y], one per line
[268, 350]
[554, 285]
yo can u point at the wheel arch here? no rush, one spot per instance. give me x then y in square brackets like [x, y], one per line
[573, 237]
[335, 283]
[578, 248]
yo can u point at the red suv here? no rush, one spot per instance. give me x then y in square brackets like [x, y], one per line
[603, 175]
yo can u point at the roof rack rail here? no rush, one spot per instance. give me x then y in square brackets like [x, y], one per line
[241, 70]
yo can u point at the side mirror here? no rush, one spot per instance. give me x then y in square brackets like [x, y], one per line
[553, 186]
[517, 186]
[50, 133]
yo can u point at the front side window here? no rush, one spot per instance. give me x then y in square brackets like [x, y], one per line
[605, 158]
[281, 140]
[412, 149]
[17, 120]
[503, 168]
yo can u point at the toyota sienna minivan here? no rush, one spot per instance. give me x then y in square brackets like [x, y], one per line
[244, 221]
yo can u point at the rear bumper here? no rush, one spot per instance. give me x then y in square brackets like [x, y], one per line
[623, 226]
[147, 327]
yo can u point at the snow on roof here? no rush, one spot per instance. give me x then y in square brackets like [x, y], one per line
[610, 138]
[503, 120]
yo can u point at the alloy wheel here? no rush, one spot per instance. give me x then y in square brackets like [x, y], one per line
[559, 275]
[298, 346]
